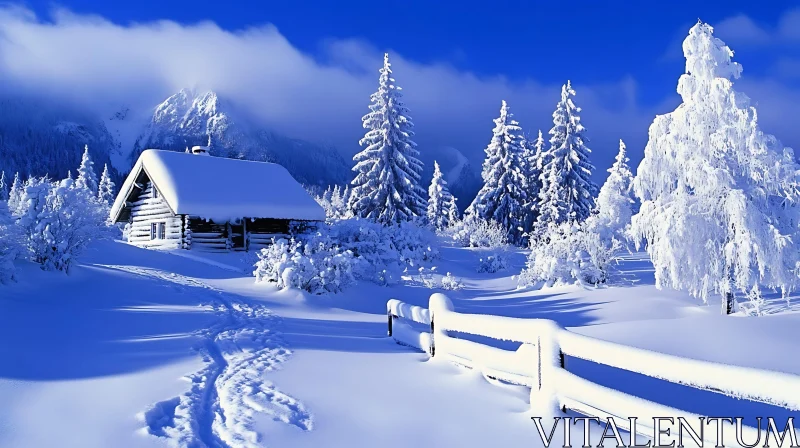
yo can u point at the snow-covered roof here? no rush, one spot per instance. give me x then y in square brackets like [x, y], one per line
[221, 189]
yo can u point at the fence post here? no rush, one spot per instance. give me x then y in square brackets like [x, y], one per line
[389, 321]
[433, 339]
[544, 394]
[438, 302]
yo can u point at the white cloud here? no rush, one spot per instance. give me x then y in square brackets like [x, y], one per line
[102, 65]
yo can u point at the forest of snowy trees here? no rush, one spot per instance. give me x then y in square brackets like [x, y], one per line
[50, 222]
[713, 202]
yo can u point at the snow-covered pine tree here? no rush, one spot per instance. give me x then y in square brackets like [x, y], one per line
[719, 197]
[452, 211]
[532, 158]
[105, 190]
[567, 191]
[387, 187]
[337, 201]
[87, 178]
[3, 187]
[9, 243]
[502, 198]
[439, 200]
[15, 194]
[615, 202]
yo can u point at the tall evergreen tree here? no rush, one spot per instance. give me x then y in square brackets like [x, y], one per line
[567, 192]
[502, 198]
[87, 178]
[387, 187]
[105, 190]
[615, 202]
[440, 201]
[15, 195]
[719, 197]
[3, 187]
[532, 158]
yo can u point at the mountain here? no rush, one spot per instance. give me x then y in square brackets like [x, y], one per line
[39, 137]
[188, 118]
[463, 180]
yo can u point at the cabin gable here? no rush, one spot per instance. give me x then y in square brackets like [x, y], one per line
[152, 222]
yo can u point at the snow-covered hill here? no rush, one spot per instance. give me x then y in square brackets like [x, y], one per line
[189, 117]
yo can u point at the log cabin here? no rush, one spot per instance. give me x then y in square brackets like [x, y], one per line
[174, 200]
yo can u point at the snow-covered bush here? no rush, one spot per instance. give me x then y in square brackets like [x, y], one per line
[569, 253]
[315, 265]
[57, 221]
[450, 283]
[476, 232]
[492, 263]
[345, 250]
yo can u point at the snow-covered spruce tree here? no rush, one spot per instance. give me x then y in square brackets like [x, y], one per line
[87, 178]
[387, 187]
[502, 198]
[567, 191]
[719, 210]
[105, 190]
[614, 202]
[15, 194]
[452, 211]
[3, 187]
[440, 201]
[533, 163]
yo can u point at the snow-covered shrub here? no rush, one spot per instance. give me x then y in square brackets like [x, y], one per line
[345, 250]
[568, 254]
[450, 283]
[57, 221]
[316, 265]
[476, 232]
[9, 244]
[492, 263]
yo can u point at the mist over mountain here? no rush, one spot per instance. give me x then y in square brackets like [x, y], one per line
[188, 118]
[39, 137]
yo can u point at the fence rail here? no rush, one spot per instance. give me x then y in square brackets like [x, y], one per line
[539, 363]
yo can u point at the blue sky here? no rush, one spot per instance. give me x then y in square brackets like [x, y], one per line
[623, 57]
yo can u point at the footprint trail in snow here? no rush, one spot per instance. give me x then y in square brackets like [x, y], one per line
[224, 396]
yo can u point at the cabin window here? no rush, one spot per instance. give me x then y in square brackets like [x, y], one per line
[158, 230]
[155, 192]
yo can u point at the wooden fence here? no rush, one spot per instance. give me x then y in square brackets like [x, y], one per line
[539, 363]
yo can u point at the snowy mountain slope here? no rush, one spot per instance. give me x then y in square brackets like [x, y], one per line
[462, 178]
[188, 118]
[39, 137]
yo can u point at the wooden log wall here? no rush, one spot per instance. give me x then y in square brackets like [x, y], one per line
[147, 210]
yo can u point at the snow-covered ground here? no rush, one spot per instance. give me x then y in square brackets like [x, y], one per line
[144, 348]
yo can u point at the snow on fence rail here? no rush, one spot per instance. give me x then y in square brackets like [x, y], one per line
[539, 363]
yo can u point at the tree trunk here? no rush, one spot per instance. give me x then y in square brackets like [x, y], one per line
[727, 307]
